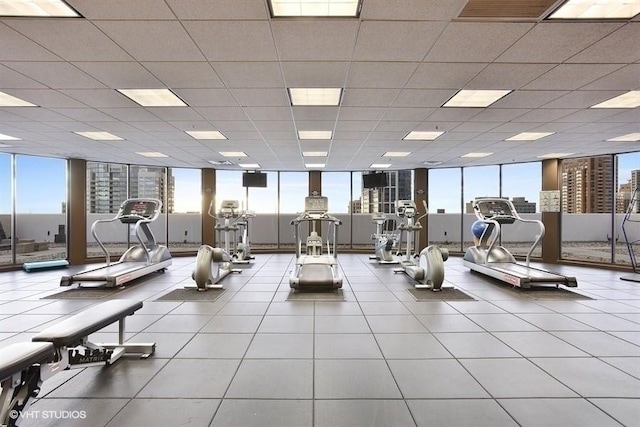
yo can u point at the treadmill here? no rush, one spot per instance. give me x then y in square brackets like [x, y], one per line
[139, 260]
[315, 270]
[491, 259]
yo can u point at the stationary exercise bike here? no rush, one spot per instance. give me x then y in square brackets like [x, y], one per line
[385, 242]
[429, 272]
[214, 264]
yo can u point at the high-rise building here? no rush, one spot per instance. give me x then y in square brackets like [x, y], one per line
[625, 193]
[107, 186]
[383, 199]
[586, 184]
[521, 204]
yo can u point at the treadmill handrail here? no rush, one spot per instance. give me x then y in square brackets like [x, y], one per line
[538, 239]
[496, 224]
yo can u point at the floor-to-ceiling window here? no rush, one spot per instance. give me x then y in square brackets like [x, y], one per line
[445, 214]
[5, 209]
[335, 186]
[294, 187]
[107, 187]
[263, 201]
[521, 184]
[361, 226]
[628, 184]
[587, 198]
[478, 182]
[156, 183]
[41, 197]
[185, 218]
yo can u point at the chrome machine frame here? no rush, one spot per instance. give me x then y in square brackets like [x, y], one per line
[491, 259]
[315, 270]
[139, 260]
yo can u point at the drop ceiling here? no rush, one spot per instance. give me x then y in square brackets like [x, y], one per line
[232, 63]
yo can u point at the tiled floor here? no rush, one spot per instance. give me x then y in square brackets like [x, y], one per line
[378, 358]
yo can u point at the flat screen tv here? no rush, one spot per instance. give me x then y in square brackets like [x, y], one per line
[374, 180]
[254, 179]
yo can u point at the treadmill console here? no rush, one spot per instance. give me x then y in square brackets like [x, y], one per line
[132, 209]
[316, 206]
[405, 208]
[500, 210]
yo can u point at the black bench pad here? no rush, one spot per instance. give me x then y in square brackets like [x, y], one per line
[70, 332]
[19, 356]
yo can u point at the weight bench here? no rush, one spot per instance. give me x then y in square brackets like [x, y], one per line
[21, 377]
[24, 366]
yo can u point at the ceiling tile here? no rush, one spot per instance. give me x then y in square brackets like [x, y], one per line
[315, 113]
[249, 74]
[175, 113]
[43, 98]
[407, 114]
[528, 98]
[120, 75]
[16, 47]
[219, 9]
[369, 97]
[361, 113]
[380, 74]
[269, 113]
[621, 46]
[123, 9]
[626, 78]
[507, 76]
[396, 40]
[207, 97]
[188, 75]
[222, 113]
[56, 75]
[261, 97]
[571, 76]
[234, 40]
[423, 97]
[100, 98]
[315, 74]
[10, 79]
[434, 10]
[316, 40]
[582, 99]
[444, 76]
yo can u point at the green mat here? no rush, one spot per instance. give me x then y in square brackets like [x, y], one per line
[209, 295]
[445, 294]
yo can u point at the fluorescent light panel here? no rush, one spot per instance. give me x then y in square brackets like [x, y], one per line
[477, 155]
[396, 154]
[249, 165]
[220, 162]
[151, 154]
[282, 8]
[233, 153]
[5, 146]
[99, 136]
[314, 165]
[630, 137]
[432, 162]
[205, 134]
[597, 9]
[36, 8]
[475, 98]
[554, 155]
[380, 165]
[422, 135]
[630, 99]
[315, 96]
[7, 100]
[153, 97]
[529, 136]
[314, 153]
[315, 134]
[4, 137]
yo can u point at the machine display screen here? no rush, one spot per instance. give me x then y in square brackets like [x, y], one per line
[316, 204]
[145, 208]
[491, 208]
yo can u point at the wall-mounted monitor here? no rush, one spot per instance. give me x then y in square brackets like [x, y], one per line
[374, 180]
[254, 179]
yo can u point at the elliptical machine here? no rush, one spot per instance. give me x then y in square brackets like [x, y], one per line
[242, 253]
[214, 264]
[429, 272]
[385, 242]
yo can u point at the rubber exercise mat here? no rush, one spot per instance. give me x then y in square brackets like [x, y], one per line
[209, 295]
[336, 295]
[85, 293]
[549, 293]
[445, 294]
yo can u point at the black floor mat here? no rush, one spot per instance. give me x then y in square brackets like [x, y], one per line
[334, 295]
[549, 293]
[445, 294]
[85, 293]
[209, 295]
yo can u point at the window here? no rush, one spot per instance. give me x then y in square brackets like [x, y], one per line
[587, 198]
[478, 182]
[41, 197]
[444, 195]
[155, 183]
[335, 186]
[263, 229]
[628, 182]
[294, 187]
[5, 209]
[522, 183]
[229, 187]
[185, 217]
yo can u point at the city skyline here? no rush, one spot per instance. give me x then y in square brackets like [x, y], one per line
[52, 173]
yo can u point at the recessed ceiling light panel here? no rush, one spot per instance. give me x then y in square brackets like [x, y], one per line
[396, 154]
[314, 165]
[315, 134]
[477, 155]
[7, 100]
[554, 155]
[153, 97]
[233, 153]
[205, 134]
[432, 163]
[288, 8]
[55, 8]
[630, 137]
[380, 166]
[475, 98]
[422, 135]
[529, 136]
[249, 165]
[151, 154]
[326, 96]
[597, 9]
[630, 99]
[99, 136]
[314, 153]
[4, 137]
[220, 162]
